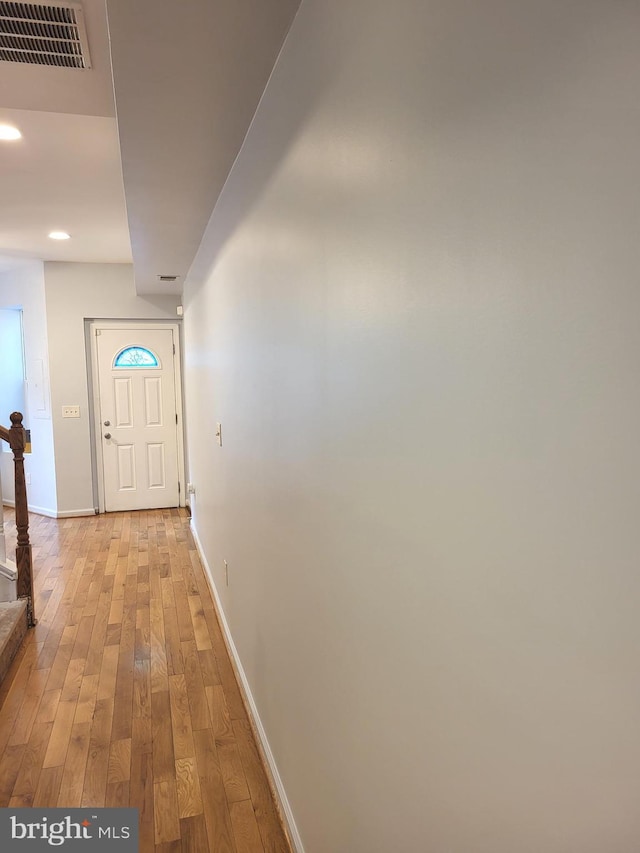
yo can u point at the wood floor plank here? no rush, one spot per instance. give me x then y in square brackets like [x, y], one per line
[48, 706]
[183, 611]
[71, 785]
[59, 667]
[165, 809]
[34, 691]
[233, 775]
[168, 596]
[142, 649]
[214, 801]
[87, 698]
[163, 757]
[124, 679]
[73, 680]
[119, 761]
[208, 667]
[228, 680]
[13, 689]
[200, 627]
[108, 672]
[175, 661]
[183, 746]
[159, 670]
[12, 759]
[271, 832]
[112, 636]
[169, 847]
[29, 775]
[95, 778]
[193, 834]
[195, 686]
[117, 794]
[142, 689]
[48, 787]
[245, 828]
[60, 734]
[141, 725]
[188, 788]
[83, 637]
[98, 634]
[141, 795]
[115, 611]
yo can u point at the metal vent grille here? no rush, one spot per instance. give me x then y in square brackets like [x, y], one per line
[44, 35]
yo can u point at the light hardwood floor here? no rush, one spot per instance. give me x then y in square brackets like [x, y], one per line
[124, 694]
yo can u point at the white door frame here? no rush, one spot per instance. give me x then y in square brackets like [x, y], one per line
[97, 421]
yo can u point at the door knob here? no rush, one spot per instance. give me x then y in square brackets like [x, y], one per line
[107, 435]
[107, 423]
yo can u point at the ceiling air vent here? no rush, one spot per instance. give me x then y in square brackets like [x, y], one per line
[52, 34]
[168, 277]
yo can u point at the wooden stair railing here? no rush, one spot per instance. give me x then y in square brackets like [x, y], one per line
[16, 438]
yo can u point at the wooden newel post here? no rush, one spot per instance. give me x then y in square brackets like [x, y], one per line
[24, 564]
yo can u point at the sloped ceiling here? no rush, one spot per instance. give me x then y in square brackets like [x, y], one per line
[188, 77]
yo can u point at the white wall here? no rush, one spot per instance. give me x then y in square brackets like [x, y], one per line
[12, 361]
[12, 386]
[23, 286]
[415, 313]
[74, 292]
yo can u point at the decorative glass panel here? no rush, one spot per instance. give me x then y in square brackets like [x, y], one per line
[135, 357]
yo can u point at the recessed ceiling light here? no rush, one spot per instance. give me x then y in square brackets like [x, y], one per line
[59, 235]
[8, 132]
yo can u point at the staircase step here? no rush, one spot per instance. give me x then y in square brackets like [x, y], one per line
[8, 569]
[13, 627]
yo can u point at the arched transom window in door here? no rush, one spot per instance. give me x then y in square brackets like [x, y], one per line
[136, 356]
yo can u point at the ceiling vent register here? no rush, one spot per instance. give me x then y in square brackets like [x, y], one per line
[44, 35]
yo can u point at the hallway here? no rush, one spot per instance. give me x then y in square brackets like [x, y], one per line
[124, 693]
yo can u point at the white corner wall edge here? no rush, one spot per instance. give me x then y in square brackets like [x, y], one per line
[285, 808]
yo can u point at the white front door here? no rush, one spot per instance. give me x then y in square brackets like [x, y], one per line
[138, 412]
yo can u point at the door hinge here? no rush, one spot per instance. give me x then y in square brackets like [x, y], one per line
[98, 332]
[174, 349]
[179, 488]
[176, 417]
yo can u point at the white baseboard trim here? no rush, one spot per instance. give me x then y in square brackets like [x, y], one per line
[279, 793]
[50, 513]
[72, 513]
[42, 510]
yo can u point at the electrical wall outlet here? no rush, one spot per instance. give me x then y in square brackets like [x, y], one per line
[27, 478]
[219, 434]
[71, 411]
